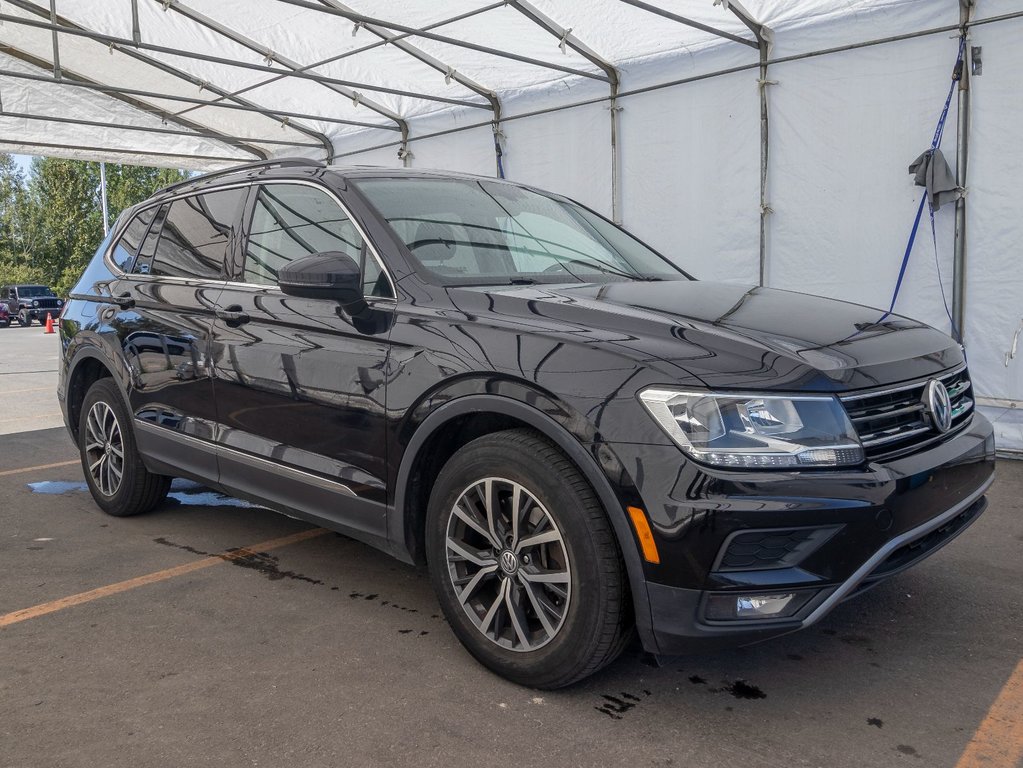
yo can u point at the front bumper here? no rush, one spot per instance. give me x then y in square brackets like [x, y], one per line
[873, 523]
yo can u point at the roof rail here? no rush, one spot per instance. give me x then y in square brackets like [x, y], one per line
[280, 162]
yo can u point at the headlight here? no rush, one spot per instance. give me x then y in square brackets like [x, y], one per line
[756, 430]
[35, 303]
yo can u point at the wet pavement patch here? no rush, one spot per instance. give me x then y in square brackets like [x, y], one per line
[184, 492]
[740, 689]
[264, 563]
[616, 706]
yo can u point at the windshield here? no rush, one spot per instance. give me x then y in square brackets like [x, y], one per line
[471, 231]
[33, 291]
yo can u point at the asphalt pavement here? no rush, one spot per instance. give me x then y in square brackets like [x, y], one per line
[214, 632]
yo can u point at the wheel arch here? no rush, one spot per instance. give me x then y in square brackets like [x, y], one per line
[86, 368]
[406, 522]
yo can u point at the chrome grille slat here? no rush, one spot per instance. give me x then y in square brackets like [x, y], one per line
[893, 421]
[881, 413]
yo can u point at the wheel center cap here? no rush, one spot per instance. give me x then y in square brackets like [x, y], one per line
[509, 562]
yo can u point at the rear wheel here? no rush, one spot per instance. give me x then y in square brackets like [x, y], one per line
[524, 561]
[117, 478]
[4, 322]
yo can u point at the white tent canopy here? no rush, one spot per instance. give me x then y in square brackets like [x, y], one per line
[757, 142]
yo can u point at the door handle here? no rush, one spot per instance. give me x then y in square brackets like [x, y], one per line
[124, 301]
[233, 315]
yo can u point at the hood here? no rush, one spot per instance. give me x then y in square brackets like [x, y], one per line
[728, 336]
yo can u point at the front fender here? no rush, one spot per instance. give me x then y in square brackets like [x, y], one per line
[594, 459]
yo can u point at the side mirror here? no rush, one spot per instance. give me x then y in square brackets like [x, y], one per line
[328, 275]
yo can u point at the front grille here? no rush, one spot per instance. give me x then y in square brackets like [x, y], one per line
[892, 422]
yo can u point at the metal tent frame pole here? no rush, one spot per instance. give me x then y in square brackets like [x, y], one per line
[300, 73]
[763, 37]
[959, 257]
[566, 38]
[103, 197]
[75, 80]
[198, 131]
[449, 72]
[357, 98]
[62, 23]
[414, 32]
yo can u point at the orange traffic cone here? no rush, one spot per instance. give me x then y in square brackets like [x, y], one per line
[49, 323]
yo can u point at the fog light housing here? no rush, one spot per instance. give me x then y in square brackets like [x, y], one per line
[732, 606]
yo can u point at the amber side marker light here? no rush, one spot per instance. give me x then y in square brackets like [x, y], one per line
[646, 537]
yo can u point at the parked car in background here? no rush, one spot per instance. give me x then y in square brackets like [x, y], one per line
[577, 438]
[5, 316]
[30, 302]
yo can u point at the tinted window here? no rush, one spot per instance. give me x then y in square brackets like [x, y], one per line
[127, 247]
[144, 261]
[476, 231]
[196, 233]
[290, 221]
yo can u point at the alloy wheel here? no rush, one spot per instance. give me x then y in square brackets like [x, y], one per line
[508, 564]
[104, 448]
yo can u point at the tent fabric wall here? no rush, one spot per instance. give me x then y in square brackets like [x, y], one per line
[994, 292]
[844, 125]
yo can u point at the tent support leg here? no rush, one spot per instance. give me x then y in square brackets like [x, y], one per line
[616, 185]
[962, 158]
[764, 207]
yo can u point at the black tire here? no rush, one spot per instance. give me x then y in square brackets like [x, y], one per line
[137, 490]
[23, 319]
[5, 322]
[595, 618]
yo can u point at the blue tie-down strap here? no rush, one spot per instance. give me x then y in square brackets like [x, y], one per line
[939, 130]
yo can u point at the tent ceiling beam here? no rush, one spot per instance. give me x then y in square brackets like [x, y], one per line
[44, 145]
[414, 32]
[117, 89]
[371, 46]
[56, 40]
[449, 72]
[292, 66]
[80, 81]
[299, 73]
[357, 98]
[187, 77]
[198, 131]
[567, 39]
[692, 23]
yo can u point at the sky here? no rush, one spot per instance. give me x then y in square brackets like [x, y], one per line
[24, 163]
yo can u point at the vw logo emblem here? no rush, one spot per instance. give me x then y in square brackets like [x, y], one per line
[509, 562]
[938, 405]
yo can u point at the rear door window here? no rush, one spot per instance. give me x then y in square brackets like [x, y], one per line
[196, 234]
[127, 247]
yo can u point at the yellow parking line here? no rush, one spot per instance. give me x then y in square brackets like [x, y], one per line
[30, 389]
[39, 467]
[140, 581]
[998, 741]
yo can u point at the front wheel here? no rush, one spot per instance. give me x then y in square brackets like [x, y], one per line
[524, 562]
[119, 481]
[24, 319]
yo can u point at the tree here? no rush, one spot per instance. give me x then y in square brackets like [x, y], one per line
[51, 224]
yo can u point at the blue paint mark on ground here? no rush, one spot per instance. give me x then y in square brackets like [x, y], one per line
[184, 492]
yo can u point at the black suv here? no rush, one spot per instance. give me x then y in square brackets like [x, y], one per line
[30, 302]
[579, 439]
